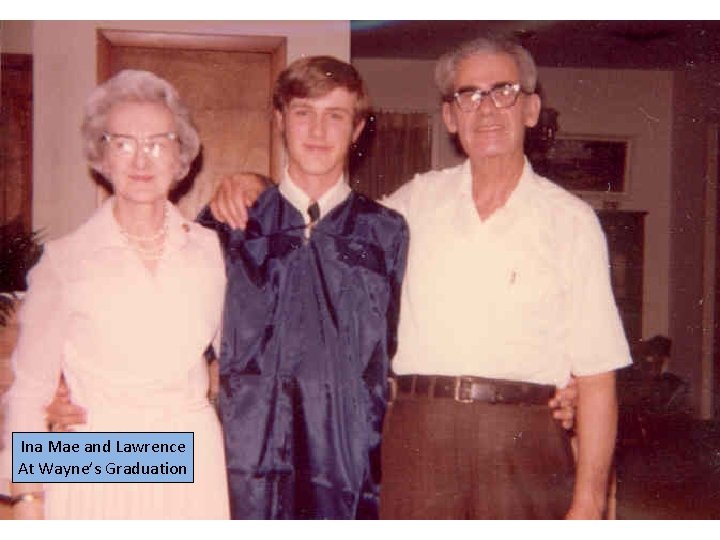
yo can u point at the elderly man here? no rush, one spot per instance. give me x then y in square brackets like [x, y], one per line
[507, 293]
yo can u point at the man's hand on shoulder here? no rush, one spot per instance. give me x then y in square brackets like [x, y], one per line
[234, 195]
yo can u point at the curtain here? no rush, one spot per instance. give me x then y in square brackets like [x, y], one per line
[392, 148]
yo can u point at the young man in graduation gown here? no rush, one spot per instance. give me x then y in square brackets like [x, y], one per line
[310, 316]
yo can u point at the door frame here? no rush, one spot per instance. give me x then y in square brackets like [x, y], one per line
[710, 336]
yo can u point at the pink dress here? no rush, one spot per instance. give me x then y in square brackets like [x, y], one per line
[130, 345]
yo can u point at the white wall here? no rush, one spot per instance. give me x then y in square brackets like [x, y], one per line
[632, 103]
[65, 73]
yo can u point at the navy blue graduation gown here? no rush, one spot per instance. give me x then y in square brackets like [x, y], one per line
[309, 328]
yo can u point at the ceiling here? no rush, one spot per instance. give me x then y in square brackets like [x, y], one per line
[596, 44]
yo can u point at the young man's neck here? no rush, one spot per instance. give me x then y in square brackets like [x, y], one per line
[314, 185]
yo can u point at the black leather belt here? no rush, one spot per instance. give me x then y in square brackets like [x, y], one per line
[470, 389]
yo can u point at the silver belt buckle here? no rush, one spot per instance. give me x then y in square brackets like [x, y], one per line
[458, 384]
[393, 389]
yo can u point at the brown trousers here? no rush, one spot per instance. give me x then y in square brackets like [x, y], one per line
[448, 460]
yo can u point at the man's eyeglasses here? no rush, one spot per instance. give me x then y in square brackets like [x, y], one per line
[503, 95]
[154, 146]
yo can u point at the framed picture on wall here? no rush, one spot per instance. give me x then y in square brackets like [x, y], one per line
[586, 163]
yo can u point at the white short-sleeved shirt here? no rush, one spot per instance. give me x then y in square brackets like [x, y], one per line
[524, 295]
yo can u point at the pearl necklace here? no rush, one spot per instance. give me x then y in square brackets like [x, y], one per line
[139, 242]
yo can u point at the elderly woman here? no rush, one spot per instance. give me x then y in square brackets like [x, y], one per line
[124, 308]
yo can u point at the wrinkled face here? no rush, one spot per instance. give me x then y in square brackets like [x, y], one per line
[490, 131]
[140, 158]
[318, 133]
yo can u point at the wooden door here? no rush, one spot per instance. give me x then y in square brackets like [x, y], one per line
[226, 82]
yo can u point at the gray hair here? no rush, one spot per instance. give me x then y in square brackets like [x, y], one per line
[446, 67]
[136, 86]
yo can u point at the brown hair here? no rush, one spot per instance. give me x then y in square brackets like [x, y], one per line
[316, 76]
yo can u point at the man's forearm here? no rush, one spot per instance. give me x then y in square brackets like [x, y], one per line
[597, 430]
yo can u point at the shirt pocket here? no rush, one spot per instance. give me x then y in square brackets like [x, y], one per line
[533, 288]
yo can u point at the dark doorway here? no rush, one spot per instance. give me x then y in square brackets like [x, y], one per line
[16, 140]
